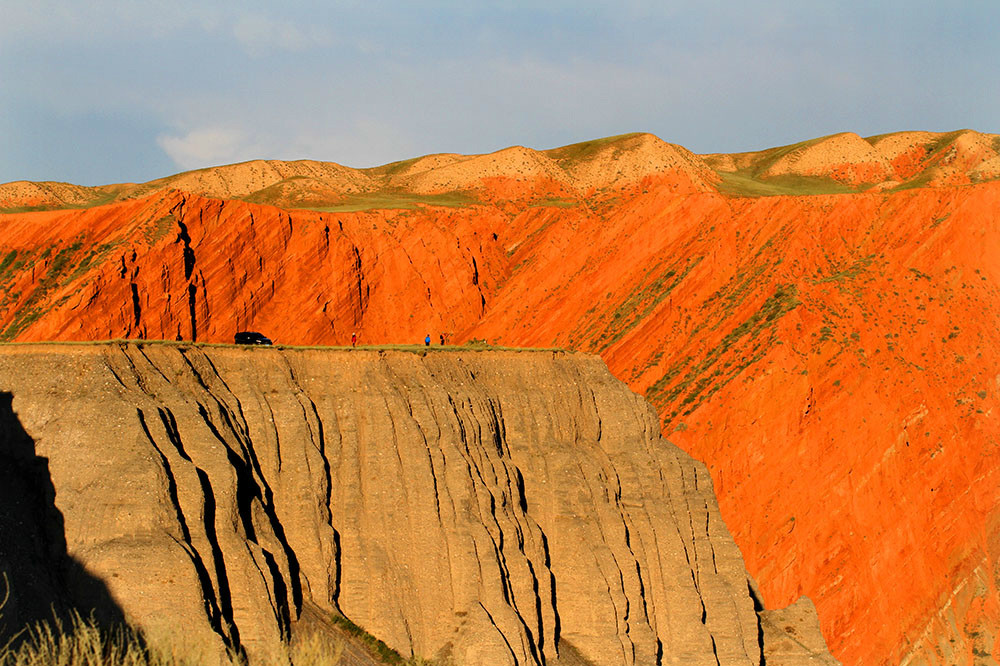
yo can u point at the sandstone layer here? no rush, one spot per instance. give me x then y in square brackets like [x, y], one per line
[487, 508]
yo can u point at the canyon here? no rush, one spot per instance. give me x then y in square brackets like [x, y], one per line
[816, 322]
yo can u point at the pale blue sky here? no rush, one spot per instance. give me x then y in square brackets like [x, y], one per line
[101, 91]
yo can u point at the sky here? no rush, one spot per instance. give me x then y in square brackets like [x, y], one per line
[106, 91]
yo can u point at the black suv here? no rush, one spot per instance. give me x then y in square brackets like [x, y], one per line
[251, 338]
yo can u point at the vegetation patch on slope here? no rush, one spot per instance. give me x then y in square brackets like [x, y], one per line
[65, 260]
[714, 371]
[641, 303]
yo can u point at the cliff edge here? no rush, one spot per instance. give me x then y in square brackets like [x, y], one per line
[471, 507]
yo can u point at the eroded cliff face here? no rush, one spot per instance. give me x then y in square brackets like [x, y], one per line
[486, 507]
[177, 266]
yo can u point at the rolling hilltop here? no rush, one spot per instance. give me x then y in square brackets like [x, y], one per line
[839, 163]
[817, 322]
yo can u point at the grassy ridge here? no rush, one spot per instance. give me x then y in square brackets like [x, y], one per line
[580, 152]
[99, 196]
[384, 200]
[747, 184]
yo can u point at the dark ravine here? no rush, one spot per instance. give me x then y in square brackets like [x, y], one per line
[474, 507]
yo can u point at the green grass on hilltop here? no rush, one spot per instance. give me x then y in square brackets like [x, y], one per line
[384, 200]
[579, 152]
[750, 181]
[98, 197]
[393, 168]
[770, 157]
[745, 184]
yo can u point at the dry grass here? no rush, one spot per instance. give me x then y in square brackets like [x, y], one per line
[84, 643]
[315, 650]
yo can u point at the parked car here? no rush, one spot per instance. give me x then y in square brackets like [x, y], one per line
[251, 338]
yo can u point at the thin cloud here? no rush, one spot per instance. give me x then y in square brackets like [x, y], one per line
[206, 147]
[70, 22]
[258, 34]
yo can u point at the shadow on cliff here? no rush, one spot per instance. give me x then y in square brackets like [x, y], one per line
[42, 580]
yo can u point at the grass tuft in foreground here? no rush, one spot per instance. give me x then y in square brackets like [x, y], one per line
[82, 643]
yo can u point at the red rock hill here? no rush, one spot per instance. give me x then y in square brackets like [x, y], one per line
[829, 351]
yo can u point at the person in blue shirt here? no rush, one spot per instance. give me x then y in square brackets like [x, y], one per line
[427, 340]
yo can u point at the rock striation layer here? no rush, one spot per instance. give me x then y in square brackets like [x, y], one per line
[487, 508]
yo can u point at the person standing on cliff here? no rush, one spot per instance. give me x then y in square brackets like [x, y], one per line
[427, 340]
[354, 339]
[442, 339]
